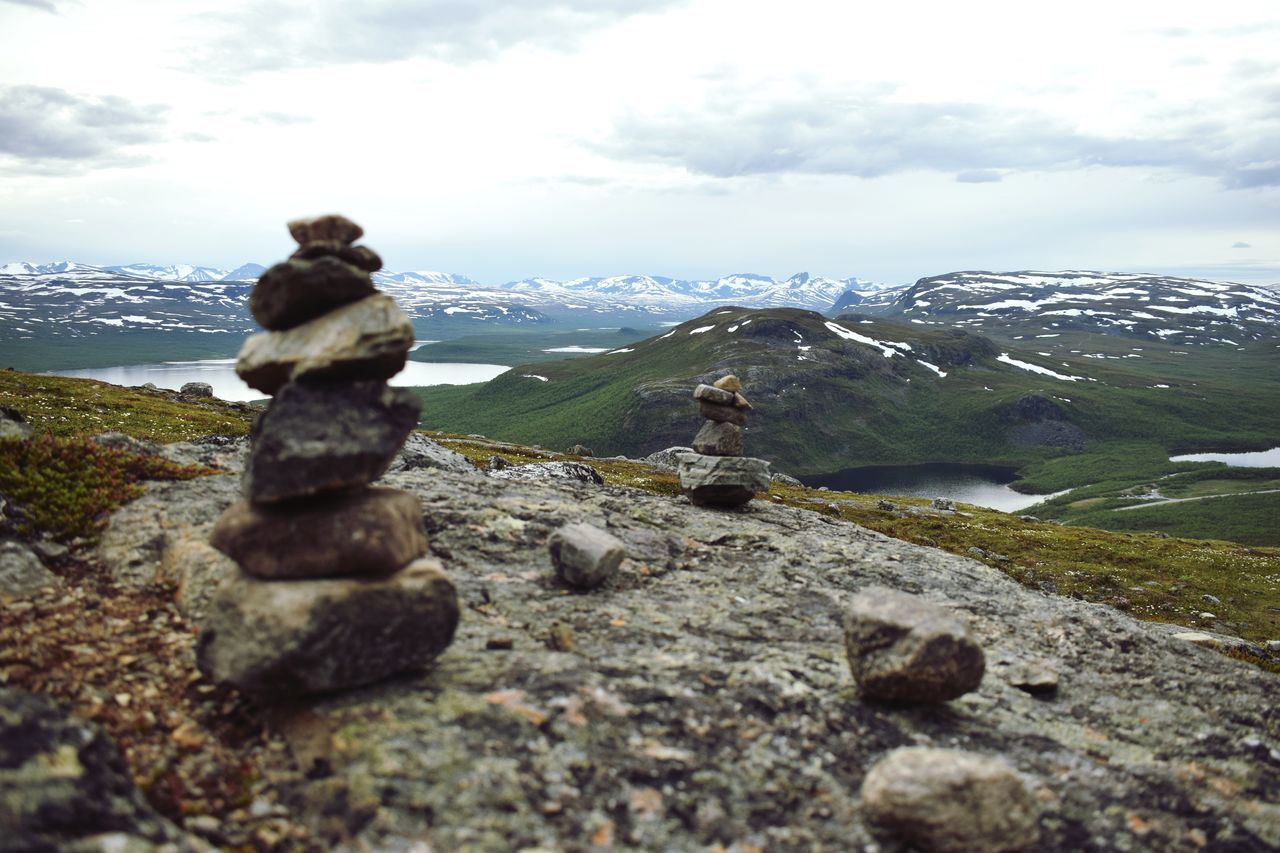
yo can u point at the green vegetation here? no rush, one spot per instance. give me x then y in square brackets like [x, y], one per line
[73, 407]
[66, 486]
[115, 347]
[526, 345]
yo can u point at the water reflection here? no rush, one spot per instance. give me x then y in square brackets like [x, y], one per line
[981, 485]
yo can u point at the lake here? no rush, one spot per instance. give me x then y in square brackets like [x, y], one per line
[1254, 459]
[982, 485]
[221, 374]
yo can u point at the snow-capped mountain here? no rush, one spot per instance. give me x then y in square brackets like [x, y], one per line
[382, 277]
[1175, 310]
[245, 272]
[748, 290]
[172, 272]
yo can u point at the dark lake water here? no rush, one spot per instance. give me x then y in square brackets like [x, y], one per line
[982, 485]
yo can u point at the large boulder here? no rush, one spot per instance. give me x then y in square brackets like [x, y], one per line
[368, 339]
[722, 480]
[373, 531]
[904, 648]
[288, 638]
[318, 437]
[951, 801]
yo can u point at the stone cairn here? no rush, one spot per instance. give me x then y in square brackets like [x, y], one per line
[716, 473]
[333, 591]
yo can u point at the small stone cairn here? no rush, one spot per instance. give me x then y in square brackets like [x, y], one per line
[716, 473]
[333, 591]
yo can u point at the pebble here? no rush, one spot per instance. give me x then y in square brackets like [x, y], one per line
[585, 556]
[903, 648]
[949, 800]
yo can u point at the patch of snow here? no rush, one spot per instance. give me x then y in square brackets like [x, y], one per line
[533, 376]
[933, 367]
[577, 349]
[702, 329]
[618, 351]
[841, 331]
[1035, 368]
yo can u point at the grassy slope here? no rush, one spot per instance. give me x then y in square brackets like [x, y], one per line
[1158, 579]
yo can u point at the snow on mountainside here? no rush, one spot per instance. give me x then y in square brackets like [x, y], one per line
[748, 290]
[420, 277]
[1175, 310]
[172, 272]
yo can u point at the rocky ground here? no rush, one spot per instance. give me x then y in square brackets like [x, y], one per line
[699, 700]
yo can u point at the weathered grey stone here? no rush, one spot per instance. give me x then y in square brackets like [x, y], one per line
[294, 292]
[944, 504]
[331, 227]
[579, 450]
[368, 339]
[223, 452]
[904, 648]
[196, 389]
[668, 459]
[318, 437]
[585, 556]
[785, 479]
[21, 572]
[723, 414]
[421, 452]
[282, 638]
[62, 780]
[373, 531]
[722, 480]
[718, 439]
[127, 443]
[951, 801]
[1034, 677]
[728, 383]
[712, 394]
[578, 472]
[13, 425]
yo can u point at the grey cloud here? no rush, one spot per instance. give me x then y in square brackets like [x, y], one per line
[738, 134]
[46, 5]
[288, 34]
[979, 176]
[51, 130]
[1241, 245]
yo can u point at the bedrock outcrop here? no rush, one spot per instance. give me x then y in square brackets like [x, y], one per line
[703, 697]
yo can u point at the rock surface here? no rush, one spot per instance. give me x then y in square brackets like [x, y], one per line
[576, 471]
[62, 782]
[418, 451]
[706, 700]
[722, 480]
[585, 556]
[196, 389]
[951, 801]
[368, 339]
[288, 638]
[370, 532]
[723, 414]
[318, 437]
[13, 425]
[294, 292]
[21, 572]
[904, 648]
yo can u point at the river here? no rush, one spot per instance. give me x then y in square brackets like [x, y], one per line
[982, 485]
[221, 374]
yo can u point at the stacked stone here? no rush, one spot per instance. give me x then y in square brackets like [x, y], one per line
[333, 591]
[716, 473]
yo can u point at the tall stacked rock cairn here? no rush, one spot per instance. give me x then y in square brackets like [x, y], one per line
[333, 590]
[716, 473]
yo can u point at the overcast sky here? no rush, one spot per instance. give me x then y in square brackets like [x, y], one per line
[689, 138]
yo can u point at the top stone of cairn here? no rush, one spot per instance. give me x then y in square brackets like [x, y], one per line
[332, 228]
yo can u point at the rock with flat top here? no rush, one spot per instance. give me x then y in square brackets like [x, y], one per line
[585, 556]
[950, 801]
[904, 648]
[331, 227]
[371, 532]
[712, 394]
[718, 439]
[724, 481]
[294, 292]
[319, 437]
[367, 339]
[290, 638]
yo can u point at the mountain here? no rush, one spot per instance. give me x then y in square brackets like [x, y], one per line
[172, 272]
[245, 272]
[1182, 311]
[383, 277]
[831, 394]
[801, 290]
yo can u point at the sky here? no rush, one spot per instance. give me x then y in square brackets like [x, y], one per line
[687, 138]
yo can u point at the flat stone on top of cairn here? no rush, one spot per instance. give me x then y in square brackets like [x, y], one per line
[330, 593]
[716, 473]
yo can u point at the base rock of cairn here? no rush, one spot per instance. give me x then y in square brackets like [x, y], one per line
[331, 592]
[716, 473]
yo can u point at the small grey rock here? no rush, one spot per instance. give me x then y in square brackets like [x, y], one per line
[722, 480]
[585, 556]
[579, 450]
[13, 425]
[1273, 646]
[945, 504]
[1210, 599]
[903, 648]
[948, 800]
[667, 459]
[196, 389]
[21, 572]
[711, 394]
[887, 506]
[1030, 519]
[786, 480]
[419, 451]
[1034, 677]
[496, 463]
